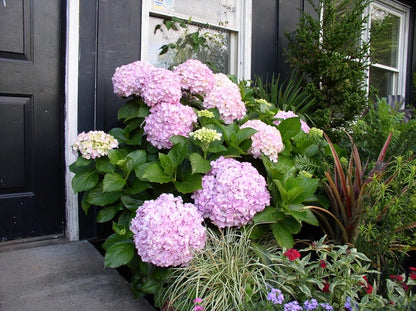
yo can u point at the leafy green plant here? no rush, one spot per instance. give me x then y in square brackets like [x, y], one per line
[370, 130]
[327, 51]
[388, 232]
[226, 275]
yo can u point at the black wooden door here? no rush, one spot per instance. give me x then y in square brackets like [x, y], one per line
[31, 108]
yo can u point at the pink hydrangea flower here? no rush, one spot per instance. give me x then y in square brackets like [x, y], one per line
[129, 79]
[195, 76]
[267, 140]
[162, 85]
[232, 193]
[166, 120]
[290, 114]
[167, 231]
[226, 97]
[94, 144]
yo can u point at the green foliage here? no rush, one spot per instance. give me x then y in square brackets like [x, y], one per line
[389, 227]
[226, 274]
[329, 55]
[370, 131]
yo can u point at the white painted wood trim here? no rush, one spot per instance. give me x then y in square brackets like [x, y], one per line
[71, 115]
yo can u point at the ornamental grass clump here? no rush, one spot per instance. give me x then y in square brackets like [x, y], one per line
[226, 275]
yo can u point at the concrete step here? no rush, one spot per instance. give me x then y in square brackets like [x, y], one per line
[66, 276]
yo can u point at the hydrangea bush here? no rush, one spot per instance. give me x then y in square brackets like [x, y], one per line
[190, 155]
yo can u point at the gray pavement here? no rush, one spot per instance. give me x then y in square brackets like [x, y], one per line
[63, 276]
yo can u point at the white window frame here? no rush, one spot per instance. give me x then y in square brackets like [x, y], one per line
[403, 12]
[240, 64]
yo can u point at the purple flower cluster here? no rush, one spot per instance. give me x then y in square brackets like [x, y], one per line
[129, 79]
[162, 86]
[267, 140]
[226, 97]
[167, 231]
[275, 296]
[232, 193]
[292, 306]
[166, 120]
[195, 76]
[290, 114]
[94, 144]
[311, 304]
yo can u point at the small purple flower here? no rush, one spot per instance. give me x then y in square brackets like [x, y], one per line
[347, 304]
[198, 308]
[292, 306]
[310, 304]
[326, 306]
[197, 300]
[275, 296]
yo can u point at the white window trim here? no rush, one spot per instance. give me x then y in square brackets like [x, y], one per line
[242, 61]
[403, 12]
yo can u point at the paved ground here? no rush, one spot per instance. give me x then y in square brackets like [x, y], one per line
[64, 276]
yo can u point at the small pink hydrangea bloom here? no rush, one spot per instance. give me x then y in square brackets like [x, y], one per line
[167, 231]
[226, 97]
[195, 77]
[267, 140]
[166, 120]
[162, 85]
[94, 144]
[232, 193]
[129, 79]
[290, 114]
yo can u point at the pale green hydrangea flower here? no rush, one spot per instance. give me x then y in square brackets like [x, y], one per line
[262, 101]
[205, 135]
[205, 113]
[315, 132]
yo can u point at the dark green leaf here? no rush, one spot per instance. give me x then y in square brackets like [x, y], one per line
[117, 155]
[137, 186]
[131, 202]
[289, 128]
[268, 215]
[178, 153]
[85, 181]
[84, 204]
[113, 182]
[96, 196]
[107, 213]
[189, 184]
[283, 236]
[135, 158]
[119, 254]
[169, 167]
[155, 173]
[104, 165]
[118, 134]
[112, 239]
[199, 164]
[130, 110]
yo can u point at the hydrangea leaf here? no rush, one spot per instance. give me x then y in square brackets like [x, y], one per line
[98, 197]
[169, 167]
[131, 202]
[269, 215]
[189, 184]
[135, 158]
[118, 134]
[129, 111]
[289, 128]
[118, 254]
[113, 182]
[107, 213]
[104, 165]
[84, 203]
[112, 239]
[155, 173]
[199, 164]
[85, 180]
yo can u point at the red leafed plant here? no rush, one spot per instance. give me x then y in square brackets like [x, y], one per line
[346, 191]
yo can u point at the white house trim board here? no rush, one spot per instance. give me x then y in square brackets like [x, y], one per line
[71, 115]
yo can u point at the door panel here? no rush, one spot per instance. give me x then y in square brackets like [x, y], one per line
[31, 106]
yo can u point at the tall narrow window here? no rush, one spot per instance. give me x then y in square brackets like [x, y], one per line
[389, 33]
[224, 24]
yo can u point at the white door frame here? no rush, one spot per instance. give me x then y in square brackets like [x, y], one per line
[71, 115]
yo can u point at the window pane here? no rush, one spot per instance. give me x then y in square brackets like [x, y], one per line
[217, 12]
[216, 55]
[384, 81]
[385, 31]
